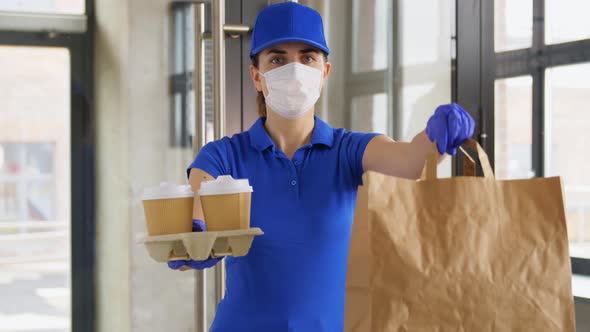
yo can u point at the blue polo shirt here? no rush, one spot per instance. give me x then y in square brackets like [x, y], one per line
[294, 277]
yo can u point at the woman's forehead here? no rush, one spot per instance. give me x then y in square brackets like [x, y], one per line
[291, 47]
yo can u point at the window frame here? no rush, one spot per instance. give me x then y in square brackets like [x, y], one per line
[33, 22]
[476, 66]
[74, 32]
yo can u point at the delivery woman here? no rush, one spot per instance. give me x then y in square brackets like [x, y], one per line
[305, 176]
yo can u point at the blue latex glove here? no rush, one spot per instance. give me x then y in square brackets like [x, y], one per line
[449, 127]
[198, 226]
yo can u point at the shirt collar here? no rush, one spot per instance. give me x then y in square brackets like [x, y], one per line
[259, 138]
[322, 133]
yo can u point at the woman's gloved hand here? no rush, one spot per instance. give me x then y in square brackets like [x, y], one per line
[198, 226]
[449, 127]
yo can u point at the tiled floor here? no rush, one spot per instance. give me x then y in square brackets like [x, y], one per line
[34, 298]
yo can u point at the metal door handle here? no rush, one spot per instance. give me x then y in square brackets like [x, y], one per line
[231, 30]
[218, 35]
[218, 8]
[200, 137]
[234, 31]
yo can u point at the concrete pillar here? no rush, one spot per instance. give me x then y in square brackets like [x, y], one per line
[112, 219]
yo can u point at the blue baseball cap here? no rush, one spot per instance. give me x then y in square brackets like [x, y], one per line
[288, 22]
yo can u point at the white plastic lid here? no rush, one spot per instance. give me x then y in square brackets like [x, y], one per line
[225, 184]
[167, 190]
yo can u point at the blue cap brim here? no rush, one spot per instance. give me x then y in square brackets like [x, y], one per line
[285, 40]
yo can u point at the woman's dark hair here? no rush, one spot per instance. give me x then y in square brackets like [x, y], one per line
[260, 102]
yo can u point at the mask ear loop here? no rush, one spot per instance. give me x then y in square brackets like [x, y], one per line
[322, 80]
[263, 75]
[265, 82]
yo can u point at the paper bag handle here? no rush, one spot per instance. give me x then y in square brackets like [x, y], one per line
[430, 172]
[469, 163]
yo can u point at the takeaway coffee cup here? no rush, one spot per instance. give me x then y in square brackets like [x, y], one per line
[168, 209]
[226, 203]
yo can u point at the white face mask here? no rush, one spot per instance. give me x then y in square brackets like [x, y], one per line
[293, 89]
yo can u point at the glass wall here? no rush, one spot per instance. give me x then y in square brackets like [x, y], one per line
[567, 91]
[423, 77]
[514, 127]
[566, 21]
[370, 35]
[513, 26]
[394, 69]
[370, 61]
[35, 189]
[546, 137]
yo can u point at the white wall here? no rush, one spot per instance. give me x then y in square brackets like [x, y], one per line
[133, 112]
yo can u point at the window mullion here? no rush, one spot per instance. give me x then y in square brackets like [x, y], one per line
[538, 139]
[538, 25]
[537, 66]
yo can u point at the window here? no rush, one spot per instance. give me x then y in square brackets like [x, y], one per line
[392, 65]
[369, 113]
[370, 31]
[423, 67]
[27, 182]
[400, 66]
[184, 66]
[514, 127]
[46, 140]
[567, 126]
[367, 82]
[35, 188]
[513, 26]
[566, 20]
[541, 94]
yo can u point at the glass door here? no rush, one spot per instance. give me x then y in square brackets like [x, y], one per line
[35, 180]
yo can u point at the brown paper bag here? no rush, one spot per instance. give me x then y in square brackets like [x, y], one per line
[459, 254]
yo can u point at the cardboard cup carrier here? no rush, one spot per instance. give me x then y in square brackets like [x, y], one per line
[226, 203]
[168, 209]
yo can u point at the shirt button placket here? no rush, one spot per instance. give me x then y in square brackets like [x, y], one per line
[297, 158]
[294, 178]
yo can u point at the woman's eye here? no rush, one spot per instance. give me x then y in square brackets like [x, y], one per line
[309, 59]
[275, 61]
